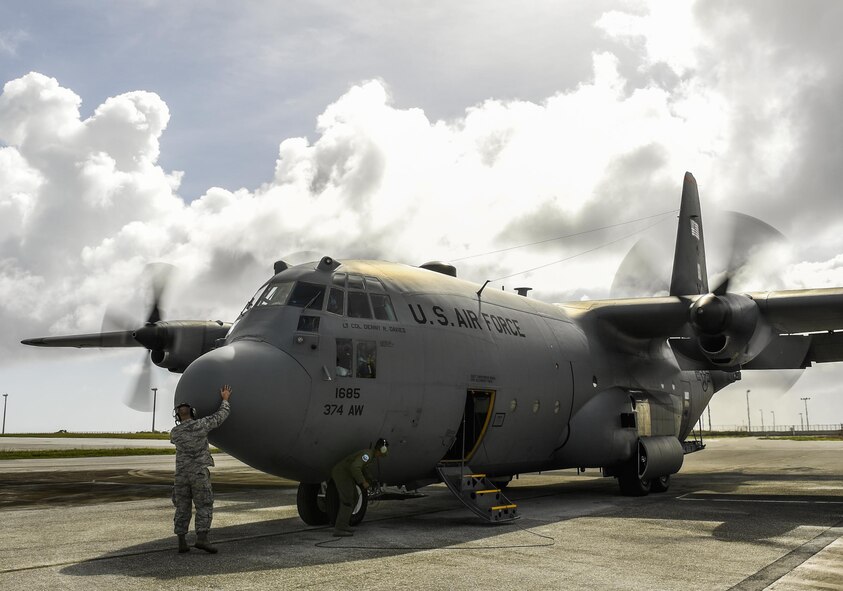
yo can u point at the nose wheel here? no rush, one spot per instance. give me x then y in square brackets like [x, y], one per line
[318, 503]
[311, 503]
[358, 511]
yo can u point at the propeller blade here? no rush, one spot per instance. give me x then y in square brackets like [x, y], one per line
[140, 396]
[159, 278]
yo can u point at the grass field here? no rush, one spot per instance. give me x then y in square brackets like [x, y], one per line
[35, 454]
[66, 434]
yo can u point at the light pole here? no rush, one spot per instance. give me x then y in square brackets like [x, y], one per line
[748, 420]
[772, 412]
[801, 424]
[709, 418]
[154, 396]
[761, 412]
[807, 422]
[5, 399]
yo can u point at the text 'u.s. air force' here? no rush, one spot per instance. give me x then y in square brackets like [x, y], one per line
[467, 319]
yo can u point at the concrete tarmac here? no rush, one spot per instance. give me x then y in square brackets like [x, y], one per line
[744, 514]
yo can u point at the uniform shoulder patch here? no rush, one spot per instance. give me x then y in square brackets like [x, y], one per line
[365, 457]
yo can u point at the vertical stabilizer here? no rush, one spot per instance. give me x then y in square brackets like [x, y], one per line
[689, 272]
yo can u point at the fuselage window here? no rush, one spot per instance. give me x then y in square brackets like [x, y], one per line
[382, 306]
[374, 284]
[367, 353]
[358, 305]
[355, 282]
[307, 295]
[275, 294]
[336, 301]
[344, 358]
[339, 279]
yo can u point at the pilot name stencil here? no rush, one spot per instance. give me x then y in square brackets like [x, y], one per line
[463, 318]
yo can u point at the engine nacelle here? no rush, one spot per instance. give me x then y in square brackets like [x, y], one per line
[730, 330]
[175, 345]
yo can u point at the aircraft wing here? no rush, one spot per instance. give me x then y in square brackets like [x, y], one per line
[800, 311]
[805, 326]
[123, 338]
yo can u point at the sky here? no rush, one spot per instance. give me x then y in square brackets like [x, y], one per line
[220, 137]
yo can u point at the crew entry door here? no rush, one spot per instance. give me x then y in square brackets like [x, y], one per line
[478, 411]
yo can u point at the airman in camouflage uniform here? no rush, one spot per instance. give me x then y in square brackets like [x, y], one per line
[351, 470]
[192, 478]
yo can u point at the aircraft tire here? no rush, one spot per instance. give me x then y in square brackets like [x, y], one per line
[632, 485]
[312, 508]
[333, 504]
[660, 484]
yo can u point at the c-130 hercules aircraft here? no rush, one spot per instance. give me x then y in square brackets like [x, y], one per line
[473, 386]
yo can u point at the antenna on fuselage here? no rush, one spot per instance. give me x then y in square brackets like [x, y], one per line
[480, 291]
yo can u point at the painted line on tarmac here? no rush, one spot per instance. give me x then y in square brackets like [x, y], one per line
[784, 565]
[716, 498]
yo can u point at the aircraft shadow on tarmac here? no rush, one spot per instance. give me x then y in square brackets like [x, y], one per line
[438, 522]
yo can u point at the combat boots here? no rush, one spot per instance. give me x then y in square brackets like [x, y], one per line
[203, 544]
[183, 547]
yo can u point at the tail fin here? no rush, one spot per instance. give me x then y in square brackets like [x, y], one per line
[689, 272]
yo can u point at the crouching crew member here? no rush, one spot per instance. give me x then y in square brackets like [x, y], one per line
[351, 470]
[193, 480]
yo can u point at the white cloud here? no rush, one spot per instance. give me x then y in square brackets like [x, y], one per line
[378, 181]
[85, 203]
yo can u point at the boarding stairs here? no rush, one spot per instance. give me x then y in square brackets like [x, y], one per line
[476, 492]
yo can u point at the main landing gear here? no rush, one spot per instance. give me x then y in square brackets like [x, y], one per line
[318, 503]
[630, 479]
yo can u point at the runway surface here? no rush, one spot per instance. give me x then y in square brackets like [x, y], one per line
[743, 514]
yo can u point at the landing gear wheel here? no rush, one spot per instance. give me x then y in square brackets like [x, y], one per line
[629, 479]
[660, 484]
[332, 499]
[310, 501]
[633, 486]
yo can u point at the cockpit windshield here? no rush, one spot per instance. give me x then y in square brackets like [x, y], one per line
[307, 295]
[275, 294]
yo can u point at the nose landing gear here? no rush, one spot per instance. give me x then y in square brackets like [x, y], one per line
[318, 503]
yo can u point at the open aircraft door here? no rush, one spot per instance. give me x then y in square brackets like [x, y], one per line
[479, 405]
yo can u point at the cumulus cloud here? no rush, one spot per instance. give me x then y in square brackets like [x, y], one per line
[86, 203]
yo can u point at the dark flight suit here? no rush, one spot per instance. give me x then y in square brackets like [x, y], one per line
[193, 480]
[355, 468]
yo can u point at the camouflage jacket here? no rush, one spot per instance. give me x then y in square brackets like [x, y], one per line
[358, 465]
[191, 439]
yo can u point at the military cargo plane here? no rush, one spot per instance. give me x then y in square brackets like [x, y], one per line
[472, 386]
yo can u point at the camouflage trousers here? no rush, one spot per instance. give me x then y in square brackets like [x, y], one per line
[193, 487]
[347, 493]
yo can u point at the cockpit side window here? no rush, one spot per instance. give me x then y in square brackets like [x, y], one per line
[307, 295]
[358, 305]
[336, 301]
[367, 357]
[382, 306]
[344, 359]
[339, 279]
[275, 294]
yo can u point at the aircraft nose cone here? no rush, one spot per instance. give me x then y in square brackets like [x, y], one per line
[269, 396]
